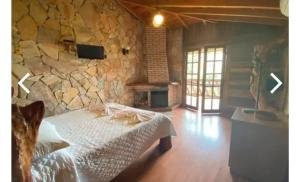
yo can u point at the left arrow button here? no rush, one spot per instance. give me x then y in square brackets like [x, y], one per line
[22, 85]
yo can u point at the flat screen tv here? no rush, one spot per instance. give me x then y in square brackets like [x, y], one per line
[90, 51]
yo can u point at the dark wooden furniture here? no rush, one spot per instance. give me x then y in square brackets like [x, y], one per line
[258, 148]
[165, 144]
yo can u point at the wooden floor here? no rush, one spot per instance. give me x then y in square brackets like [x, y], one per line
[199, 153]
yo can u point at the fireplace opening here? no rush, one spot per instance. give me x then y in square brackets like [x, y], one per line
[154, 97]
[141, 99]
[159, 99]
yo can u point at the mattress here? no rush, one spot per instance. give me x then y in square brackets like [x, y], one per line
[100, 147]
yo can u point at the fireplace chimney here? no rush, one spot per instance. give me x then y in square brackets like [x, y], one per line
[155, 53]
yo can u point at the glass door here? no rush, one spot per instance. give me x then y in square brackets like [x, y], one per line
[204, 77]
[192, 79]
[213, 76]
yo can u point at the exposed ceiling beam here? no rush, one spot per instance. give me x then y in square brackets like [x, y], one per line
[182, 21]
[187, 12]
[218, 7]
[246, 20]
[130, 11]
[235, 15]
[169, 12]
[228, 4]
[272, 13]
[195, 18]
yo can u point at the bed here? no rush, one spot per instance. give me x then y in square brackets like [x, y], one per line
[100, 146]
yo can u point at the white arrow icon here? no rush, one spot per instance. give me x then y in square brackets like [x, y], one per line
[21, 83]
[279, 83]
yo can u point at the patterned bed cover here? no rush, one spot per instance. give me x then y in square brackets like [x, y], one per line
[100, 148]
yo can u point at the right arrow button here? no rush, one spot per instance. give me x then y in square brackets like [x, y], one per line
[279, 83]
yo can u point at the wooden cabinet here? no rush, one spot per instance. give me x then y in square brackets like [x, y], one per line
[258, 148]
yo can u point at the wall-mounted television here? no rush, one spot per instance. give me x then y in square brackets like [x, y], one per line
[90, 51]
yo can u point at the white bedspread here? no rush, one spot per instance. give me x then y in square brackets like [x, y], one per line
[100, 148]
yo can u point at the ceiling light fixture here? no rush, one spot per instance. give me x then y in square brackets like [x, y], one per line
[158, 20]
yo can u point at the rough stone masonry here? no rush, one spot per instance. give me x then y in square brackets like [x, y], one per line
[58, 77]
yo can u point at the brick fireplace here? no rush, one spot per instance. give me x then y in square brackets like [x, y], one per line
[157, 93]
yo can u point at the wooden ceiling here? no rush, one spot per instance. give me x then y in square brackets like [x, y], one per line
[187, 12]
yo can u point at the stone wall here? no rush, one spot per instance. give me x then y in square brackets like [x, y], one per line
[58, 77]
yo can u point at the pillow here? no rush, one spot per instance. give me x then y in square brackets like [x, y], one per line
[98, 109]
[126, 117]
[48, 140]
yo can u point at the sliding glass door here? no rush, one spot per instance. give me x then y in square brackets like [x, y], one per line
[204, 75]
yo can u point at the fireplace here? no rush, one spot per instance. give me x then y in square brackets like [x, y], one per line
[159, 99]
[156, 93]
[156, 97]
[141, 99]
